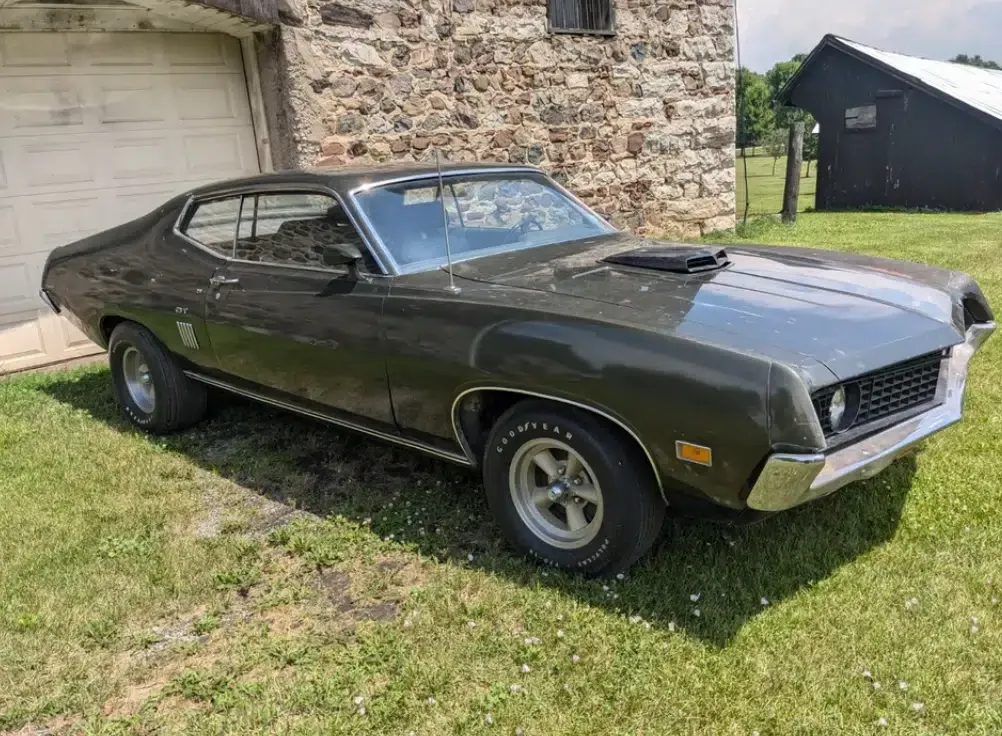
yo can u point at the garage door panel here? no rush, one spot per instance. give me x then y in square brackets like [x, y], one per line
[22, 342]
[34, 50]
[96, 130]
[42, 102]
[208, 50]
[133, 99]
[207, 155]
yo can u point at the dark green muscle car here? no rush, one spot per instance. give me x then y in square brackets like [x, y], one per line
[594, 378]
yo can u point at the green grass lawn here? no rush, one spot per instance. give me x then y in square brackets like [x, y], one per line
[161, 586]
[766, 187]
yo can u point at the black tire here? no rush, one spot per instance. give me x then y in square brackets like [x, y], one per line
[178, 402]
[633, 510]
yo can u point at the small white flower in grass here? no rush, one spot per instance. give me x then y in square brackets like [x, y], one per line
[469, 557]
[407, 622]
[876, 685]
[635, 619]
[974, 629]
[903, 685]
[694, 597]
[358, 700]
[867, 674]
[620, 576]
[995, 601]
[361, 710]
[567, 687]
[671, 626]
[519, 731]
[546, 574]
[525, 669]
[560, 634]
[974, 619]
[575, 658]
[911, 603]
[515, 688]
[489, 719]
[471, 624]
[605, 588]
[764, 601]
[531, 640]
[432, 701]
[882, 722]
[560, 617]
[615, 595]
[696, 612]
[918, 707]
[647, 624]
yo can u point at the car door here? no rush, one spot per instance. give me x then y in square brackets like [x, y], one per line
[182, 266]
[281, 319]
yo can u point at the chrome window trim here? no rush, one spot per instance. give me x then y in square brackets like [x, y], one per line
[399, 270]
[461, 438]
[284, 188]
[403, 441]
[44, 296]
[791, 479]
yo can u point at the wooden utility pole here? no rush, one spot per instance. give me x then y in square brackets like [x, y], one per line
[794, 160]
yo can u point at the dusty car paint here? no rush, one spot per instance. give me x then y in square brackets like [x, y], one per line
[725, 359]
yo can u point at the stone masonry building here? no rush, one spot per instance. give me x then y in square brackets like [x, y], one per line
[109, 107]
[639, 122]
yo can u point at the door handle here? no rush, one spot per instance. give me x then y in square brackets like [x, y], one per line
[221, 280]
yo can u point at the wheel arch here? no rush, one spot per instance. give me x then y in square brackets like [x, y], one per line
[510, 396]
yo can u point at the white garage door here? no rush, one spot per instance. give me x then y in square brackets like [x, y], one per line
[96, 129]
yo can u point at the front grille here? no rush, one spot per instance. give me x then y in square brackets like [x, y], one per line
[884, 393]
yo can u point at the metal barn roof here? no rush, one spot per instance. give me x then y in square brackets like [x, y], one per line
[973, 87]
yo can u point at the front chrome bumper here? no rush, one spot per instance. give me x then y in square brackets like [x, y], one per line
[789, 479]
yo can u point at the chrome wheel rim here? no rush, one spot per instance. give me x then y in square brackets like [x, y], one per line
[556, 493]
[138, 381]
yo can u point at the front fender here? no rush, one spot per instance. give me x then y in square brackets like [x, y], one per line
[662, 389]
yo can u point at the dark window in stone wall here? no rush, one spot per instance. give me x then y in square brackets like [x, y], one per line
[580, 16]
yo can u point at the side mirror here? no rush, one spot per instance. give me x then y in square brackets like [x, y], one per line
[342, 254]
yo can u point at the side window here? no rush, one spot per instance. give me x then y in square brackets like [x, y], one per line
[213, 224]
[293, 229]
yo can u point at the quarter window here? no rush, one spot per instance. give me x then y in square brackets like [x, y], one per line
[580, 16]
[292, 229]
[213, 225]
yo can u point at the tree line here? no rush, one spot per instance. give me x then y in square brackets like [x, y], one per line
[763, 120]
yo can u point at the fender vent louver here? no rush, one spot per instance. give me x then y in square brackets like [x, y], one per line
[674, 260]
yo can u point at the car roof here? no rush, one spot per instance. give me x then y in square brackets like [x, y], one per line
[343, 179]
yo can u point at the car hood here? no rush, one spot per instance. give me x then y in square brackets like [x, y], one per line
[851, 314]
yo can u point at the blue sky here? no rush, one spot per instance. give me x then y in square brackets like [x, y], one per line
[772, 30]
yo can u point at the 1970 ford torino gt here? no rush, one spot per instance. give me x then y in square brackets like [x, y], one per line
[594, 378]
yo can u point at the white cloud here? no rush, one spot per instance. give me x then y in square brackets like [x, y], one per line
[773, 30]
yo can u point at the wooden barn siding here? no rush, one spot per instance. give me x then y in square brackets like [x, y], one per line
[265, 11]
[924, 153]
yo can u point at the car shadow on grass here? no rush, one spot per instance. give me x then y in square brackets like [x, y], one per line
[705, 579]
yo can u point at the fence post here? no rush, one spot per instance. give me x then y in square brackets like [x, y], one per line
[794, 161]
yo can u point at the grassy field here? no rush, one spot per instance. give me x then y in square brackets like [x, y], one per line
[766, 187]
[167, 586]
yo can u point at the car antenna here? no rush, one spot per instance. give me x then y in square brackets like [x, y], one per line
[445, 221]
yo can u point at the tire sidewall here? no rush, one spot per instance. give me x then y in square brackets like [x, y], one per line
[606, 460]
[120, 343]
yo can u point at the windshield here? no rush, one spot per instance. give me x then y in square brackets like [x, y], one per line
[487, 214]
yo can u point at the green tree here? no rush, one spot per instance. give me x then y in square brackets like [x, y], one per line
[975, 60]
[777, 78]
[811, 142]
[775, 145]
[755, 115]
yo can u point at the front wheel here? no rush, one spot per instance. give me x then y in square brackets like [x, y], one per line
[570, 490]
[150, 385]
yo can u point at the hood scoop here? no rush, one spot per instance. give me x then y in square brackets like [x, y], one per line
[673, 260]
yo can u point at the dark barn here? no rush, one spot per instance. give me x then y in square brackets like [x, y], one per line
[900, 131]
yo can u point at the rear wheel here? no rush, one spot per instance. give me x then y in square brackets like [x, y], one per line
[150, 385]
[569, 490]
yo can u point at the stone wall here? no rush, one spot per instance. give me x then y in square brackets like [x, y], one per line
[640, 124]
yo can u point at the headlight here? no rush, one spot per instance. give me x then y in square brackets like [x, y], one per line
[836, 410]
